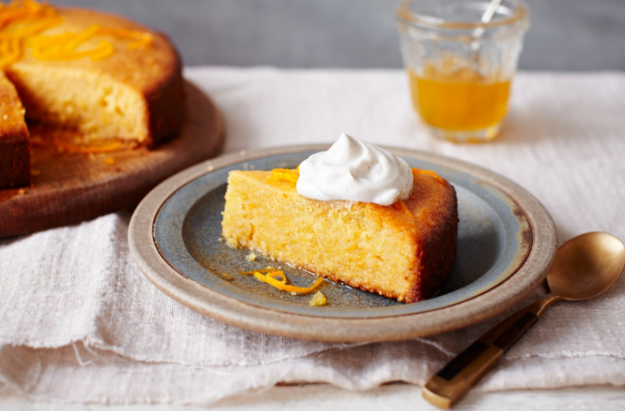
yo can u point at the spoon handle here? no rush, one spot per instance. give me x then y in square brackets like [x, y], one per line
[451, 383]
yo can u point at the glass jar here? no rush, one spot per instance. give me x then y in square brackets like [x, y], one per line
[460, 69]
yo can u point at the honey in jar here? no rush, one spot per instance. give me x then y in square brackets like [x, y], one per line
[459, 100]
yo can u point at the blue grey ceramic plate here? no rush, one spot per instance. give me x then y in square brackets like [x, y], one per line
[506, 243]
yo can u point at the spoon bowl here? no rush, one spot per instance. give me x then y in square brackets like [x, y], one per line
[586, 266]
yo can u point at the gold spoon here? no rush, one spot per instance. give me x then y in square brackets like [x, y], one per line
[585, 267]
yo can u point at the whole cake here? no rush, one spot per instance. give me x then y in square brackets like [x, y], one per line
[95, 73]
[403, 251]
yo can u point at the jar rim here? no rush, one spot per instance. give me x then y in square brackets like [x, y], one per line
[406, 15]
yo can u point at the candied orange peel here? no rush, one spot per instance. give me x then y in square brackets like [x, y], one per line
[278, 279]
[416, 171]
[284, 175]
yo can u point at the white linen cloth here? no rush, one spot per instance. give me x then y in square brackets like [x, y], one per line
[79, 322]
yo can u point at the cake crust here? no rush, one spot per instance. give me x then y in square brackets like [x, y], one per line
[14, 144]
[405, 253]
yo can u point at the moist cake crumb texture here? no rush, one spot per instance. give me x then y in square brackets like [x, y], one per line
[382, 249]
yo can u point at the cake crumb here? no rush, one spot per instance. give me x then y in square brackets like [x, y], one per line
[110, 161]
[233, 243]
[21, 191]
[250, 257]
[227, 276]
[317, 300]
[210, 168]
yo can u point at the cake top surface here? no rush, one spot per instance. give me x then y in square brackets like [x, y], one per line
[431, 198]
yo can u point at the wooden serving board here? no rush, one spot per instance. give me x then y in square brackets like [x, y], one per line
[70, 188]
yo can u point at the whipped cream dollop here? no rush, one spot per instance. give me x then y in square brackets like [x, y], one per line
[356, 171]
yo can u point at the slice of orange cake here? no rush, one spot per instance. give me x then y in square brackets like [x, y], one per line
[403, 251]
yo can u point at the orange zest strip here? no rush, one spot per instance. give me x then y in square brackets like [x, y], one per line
[417, 171]
[80, 38]
[141, 39]
[11, 51]
[283, 174]
[289, 288]
[64, 46]
[36, 28]
[278, 279]
[43, 42]
[401, 206]
[104, 50]
[23, 11]
[278, 275]
[87, 150]
[263, 271]
[30, 18]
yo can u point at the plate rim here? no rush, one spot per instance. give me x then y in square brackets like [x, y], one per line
[206, 301]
